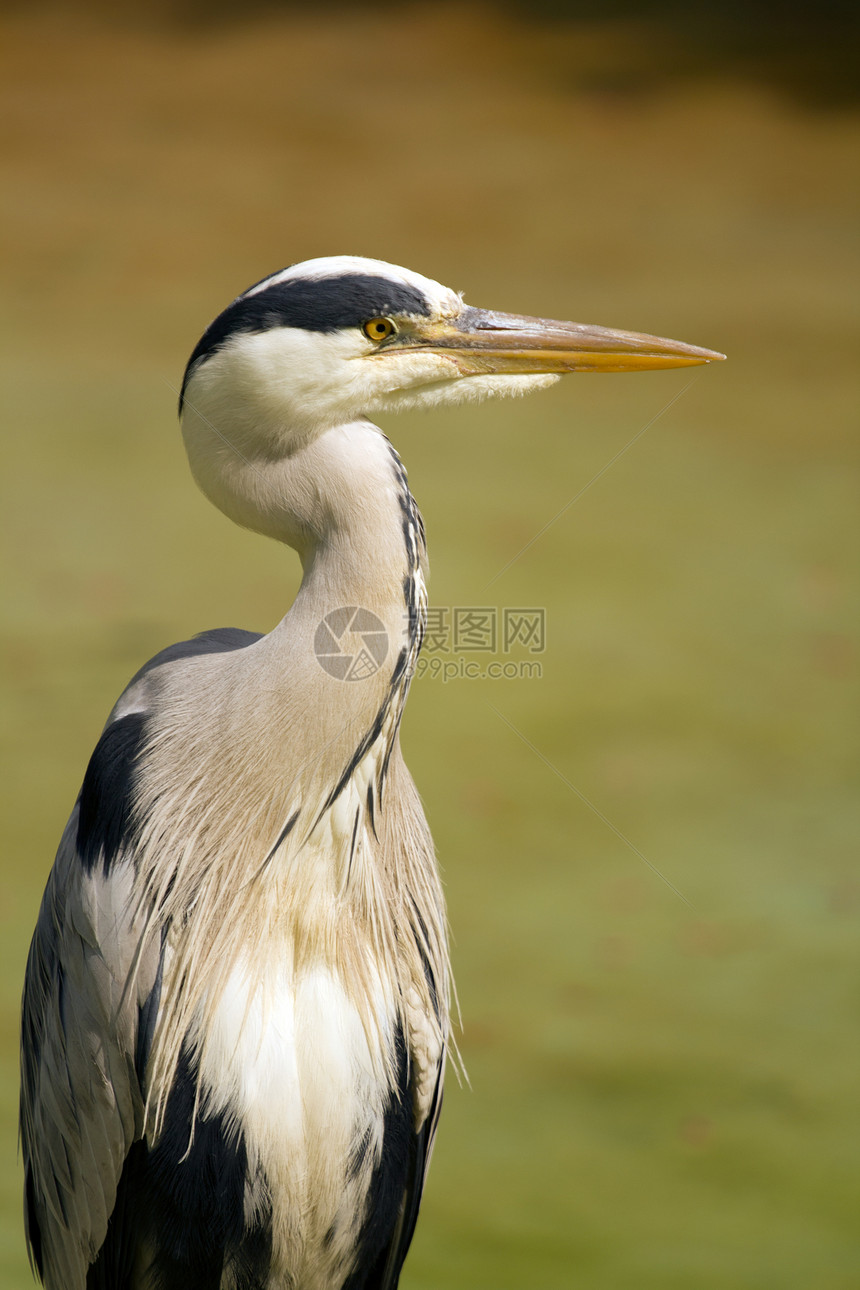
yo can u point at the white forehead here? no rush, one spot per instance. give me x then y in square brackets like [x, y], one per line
[441, 299]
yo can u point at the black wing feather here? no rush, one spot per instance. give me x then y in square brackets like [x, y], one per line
[397, 1185]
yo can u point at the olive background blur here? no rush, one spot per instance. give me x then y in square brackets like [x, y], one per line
[663, 1087]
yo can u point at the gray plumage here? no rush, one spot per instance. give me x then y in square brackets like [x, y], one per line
[235, 1013]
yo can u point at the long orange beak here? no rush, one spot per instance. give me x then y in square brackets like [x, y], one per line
[482, 341]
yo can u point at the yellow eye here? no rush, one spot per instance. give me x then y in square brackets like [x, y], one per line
[378, 328]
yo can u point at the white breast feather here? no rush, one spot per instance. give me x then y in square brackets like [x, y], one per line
[292, 1061]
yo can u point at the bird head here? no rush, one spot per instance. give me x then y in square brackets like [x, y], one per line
[341, 338]
[329, 343]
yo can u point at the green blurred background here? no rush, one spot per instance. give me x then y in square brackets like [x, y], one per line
[663, 1090]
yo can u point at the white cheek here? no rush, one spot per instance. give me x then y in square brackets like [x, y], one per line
[302, 370]
[268, 391]
[389, 374]
[265, 389]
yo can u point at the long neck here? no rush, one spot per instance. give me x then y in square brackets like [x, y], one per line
[338, 665]
[290, 754]
[361, 537]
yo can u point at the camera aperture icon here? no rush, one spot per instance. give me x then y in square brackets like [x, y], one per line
[351, 643]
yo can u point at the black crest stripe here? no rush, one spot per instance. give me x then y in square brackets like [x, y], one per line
[312, 304]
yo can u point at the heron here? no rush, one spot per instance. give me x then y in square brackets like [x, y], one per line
[236, 1005]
